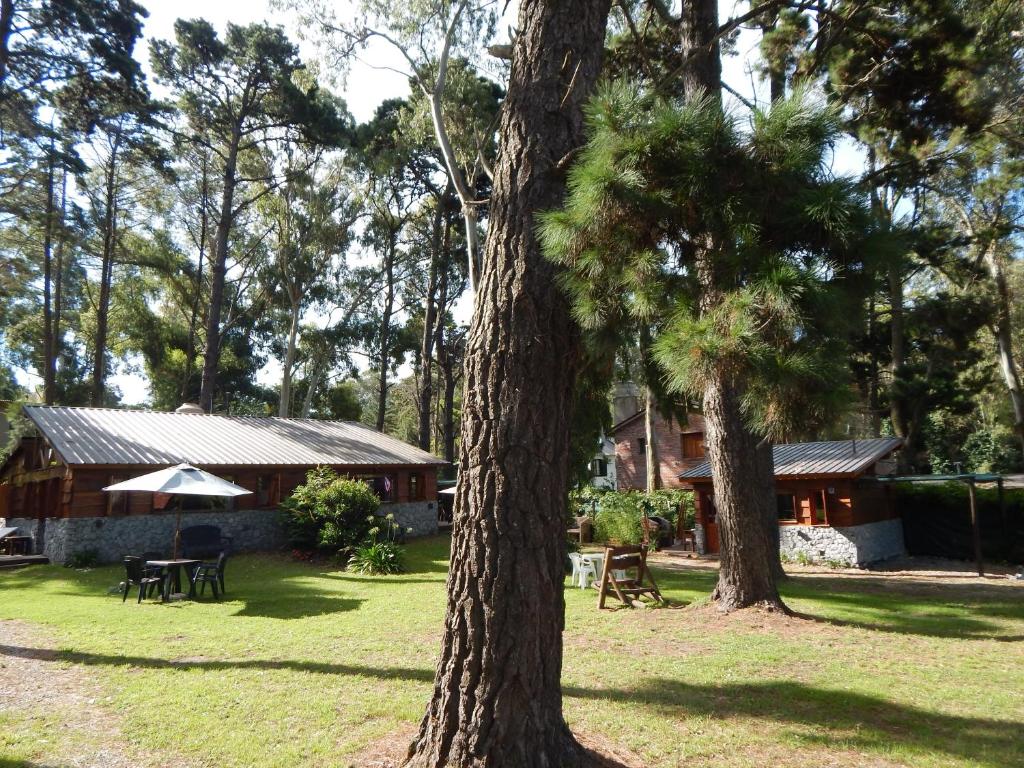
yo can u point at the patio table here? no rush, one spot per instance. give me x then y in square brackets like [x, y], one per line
[173, 568]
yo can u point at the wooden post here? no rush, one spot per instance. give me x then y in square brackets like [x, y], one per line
[1008, 535]
[975, 529]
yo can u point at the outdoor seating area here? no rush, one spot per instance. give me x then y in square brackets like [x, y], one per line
[180, 577]
[335, 652]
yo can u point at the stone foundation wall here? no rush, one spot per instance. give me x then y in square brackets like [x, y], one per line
[417, 518]
[251, 530]
[854, 545]
[114, 537]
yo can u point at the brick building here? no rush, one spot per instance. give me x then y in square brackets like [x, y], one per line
[679, 447]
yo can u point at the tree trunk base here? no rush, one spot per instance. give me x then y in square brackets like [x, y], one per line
[562, 751]
[729, 600]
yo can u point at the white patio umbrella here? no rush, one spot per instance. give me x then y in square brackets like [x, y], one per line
[183, 480]
[448, 491]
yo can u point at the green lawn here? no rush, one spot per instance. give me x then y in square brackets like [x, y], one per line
[304, 666]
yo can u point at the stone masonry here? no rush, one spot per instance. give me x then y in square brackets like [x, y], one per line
[856, 545]
[111, 538]
[419, 516]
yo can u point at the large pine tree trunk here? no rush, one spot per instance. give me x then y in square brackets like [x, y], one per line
[425, 392]
[749, 550]
[497, 692]
[193, 321]
[291, 345]
[741, 463]
[384, 356]
[218, 274]
[49, 342]
[99, 364]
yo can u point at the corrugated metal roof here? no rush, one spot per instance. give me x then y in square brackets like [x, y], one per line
[111, 436]
[837, 457]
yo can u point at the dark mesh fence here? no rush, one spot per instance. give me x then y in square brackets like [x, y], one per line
[937, 521]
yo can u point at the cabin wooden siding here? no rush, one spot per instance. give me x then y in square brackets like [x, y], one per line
[77, 491]
[849, 501]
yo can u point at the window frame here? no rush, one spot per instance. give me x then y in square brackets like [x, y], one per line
[691, 445]
[819, 493]
[795, 519]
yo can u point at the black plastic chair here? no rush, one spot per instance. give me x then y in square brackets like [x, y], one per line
[212, 574]
[136, 573]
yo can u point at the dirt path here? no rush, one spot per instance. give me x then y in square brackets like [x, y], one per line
[82, 727]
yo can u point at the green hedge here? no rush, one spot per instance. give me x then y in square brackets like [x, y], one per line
[617, 515]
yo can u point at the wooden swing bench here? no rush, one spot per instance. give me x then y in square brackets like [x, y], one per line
[624, 587]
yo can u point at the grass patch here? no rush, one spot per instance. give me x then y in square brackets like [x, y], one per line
[304, 666]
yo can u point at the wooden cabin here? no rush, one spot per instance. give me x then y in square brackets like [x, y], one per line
[829, 505]
[51, 486]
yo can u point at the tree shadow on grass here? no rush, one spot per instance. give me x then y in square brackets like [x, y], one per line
[299, 606]
[889, 604]
[857, 721]
[412, 674]
[941, 610]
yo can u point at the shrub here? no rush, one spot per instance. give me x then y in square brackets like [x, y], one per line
[619, 513]
[618, 518]
[329, 513]
[83, 558]
[380, 553]
[380, 557]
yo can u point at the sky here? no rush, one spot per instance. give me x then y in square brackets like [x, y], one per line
[367, 85]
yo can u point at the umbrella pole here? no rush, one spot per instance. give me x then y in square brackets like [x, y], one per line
[177, 529]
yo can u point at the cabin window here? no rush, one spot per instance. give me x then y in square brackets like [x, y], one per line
[819, 506]
[416, 490]
[264, 486]
[382, 485]
[641, 445]
[693, 446]
[599, 468]
[786, 505]
[117, 501]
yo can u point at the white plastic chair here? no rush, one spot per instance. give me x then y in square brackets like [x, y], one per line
[574, 558]
[590, 566]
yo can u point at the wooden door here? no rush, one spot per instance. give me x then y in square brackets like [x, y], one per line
[710, 537]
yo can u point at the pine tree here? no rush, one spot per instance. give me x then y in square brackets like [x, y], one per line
[735, 245]
[497, 691]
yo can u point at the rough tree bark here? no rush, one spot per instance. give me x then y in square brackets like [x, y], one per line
[218, 274]
[49, 342]
[291, 347]
[425, 390]
[741, 463]
[652, 468]
[385, 332]
[58, 272]
[193, 320]
[99, 363]
[497, 695]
